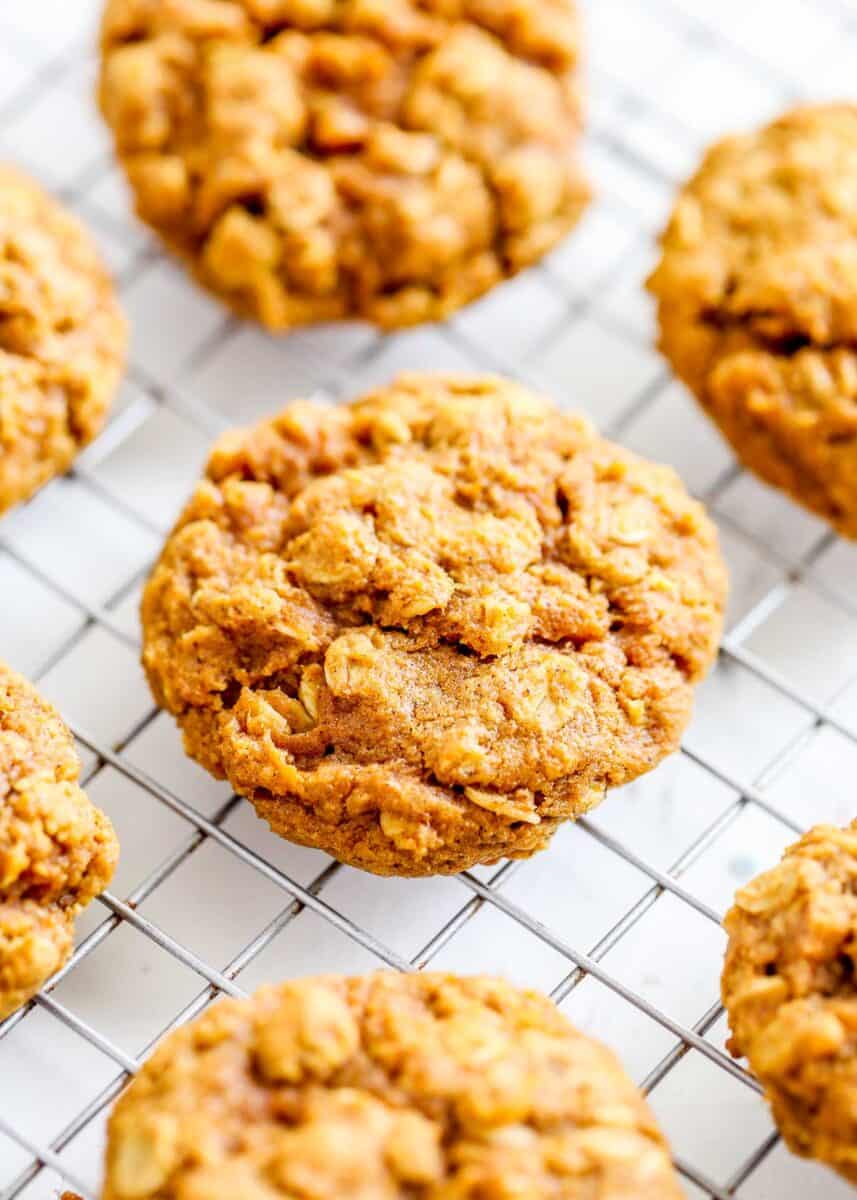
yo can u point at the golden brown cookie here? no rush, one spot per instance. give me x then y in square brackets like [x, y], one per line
[789, 988]
[321, 159]
[422, 630]
[62, 338]
[391, 1086]
[757, 289]
[57, 850]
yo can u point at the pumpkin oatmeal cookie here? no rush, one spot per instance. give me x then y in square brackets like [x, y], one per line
[321, 159]
[57, 851]
[421, 630]
[757, 288]
[385, 1087]
[62, 338]
[789, 989]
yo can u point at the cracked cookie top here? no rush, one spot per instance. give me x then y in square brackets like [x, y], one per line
[62, 338]
[390, 1086]
[420, 630]
[320, 159]
[57, 851]
[789, 989]
[757, 290]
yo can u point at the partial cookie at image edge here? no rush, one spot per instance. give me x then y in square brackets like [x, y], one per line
[387, 1085]
[348, 161]
[63, 338]
[757, 299]
[57, 850]
[788, 987]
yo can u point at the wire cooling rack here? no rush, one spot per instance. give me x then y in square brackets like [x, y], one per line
[619, 920]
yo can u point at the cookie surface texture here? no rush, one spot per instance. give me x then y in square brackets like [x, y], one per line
[384, 1088]
[57, 850]
[62, 338]
[312, 160]
[757, 290]
[789, 989]
[421, 630]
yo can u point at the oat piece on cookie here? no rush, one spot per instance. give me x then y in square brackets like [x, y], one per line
[382, 1088]
[789, 989]
[57, 850]
[313, 160]
[757, 290]
[421, 630]
[62, 338]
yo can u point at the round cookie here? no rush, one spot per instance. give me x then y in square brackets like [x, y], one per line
[757, 291]
[313, 160]
[57, 851]
[385, 1087]
[62, 338]
[421, 630]
[789, 989]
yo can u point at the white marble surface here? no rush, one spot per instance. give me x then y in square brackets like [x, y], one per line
[666, 76]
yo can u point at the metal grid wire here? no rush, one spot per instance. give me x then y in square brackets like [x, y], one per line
[666, 77]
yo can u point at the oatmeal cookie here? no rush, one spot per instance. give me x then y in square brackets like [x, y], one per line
[57, 851]
[388, 1086]
[757, 289]
[421, 630]
[789, 989]
[62, 338]
[313, 160]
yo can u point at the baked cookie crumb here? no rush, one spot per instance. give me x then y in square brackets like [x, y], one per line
[62, 338]
[382, 1088]
[789, 989]
[57, 850]
[757, 295]
[318, 161]
[421, 630]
